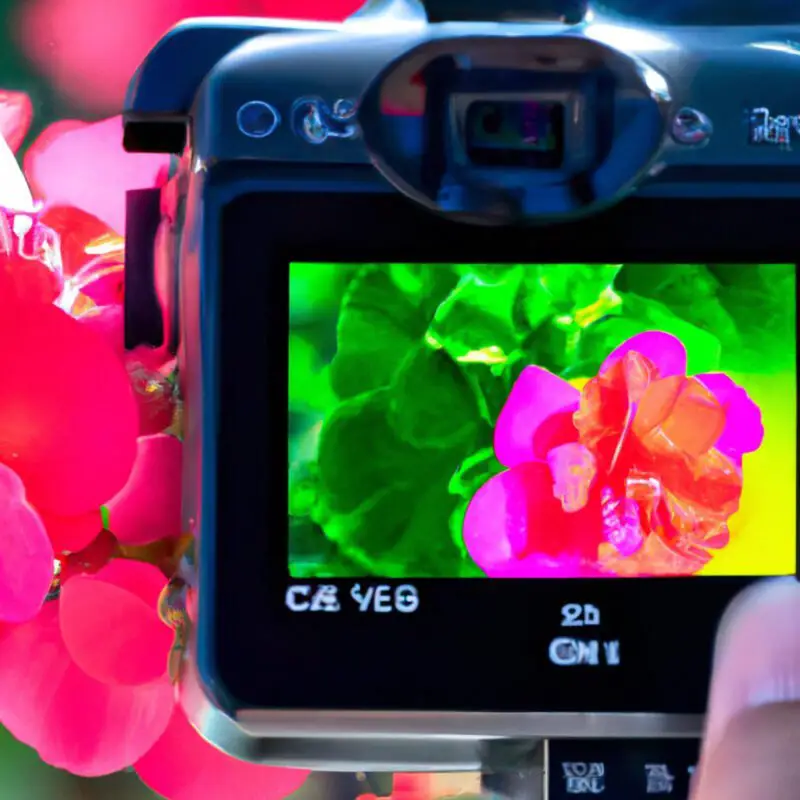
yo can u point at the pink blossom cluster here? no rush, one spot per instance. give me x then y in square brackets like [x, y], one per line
[90, 456]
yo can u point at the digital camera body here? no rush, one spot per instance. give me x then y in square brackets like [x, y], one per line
[376, 141]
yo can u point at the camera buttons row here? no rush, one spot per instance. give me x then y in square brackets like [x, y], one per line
[621, 769]
[311, 119]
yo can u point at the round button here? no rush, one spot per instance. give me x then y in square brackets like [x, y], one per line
[691, 126]
[257, 119]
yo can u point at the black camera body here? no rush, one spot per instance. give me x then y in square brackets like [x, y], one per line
[534, 136]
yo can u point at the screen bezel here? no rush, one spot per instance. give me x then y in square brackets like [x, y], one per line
[488, 651]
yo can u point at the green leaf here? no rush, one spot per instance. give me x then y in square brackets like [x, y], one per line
[384, 502]
[309, 381]
[474, 472]
[425, 550]
[691, 292]
[572, 287]
[475, 324]
[432, 403]
[467, 568]
[761, 299]
[316, 288]
[638, 315]
[360, 454]
[385, 312]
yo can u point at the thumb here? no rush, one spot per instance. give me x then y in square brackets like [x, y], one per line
[751, 748]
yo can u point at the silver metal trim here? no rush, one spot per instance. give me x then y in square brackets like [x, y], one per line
[347, 741]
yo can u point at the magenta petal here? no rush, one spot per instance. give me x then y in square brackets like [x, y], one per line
[111, 626]
[149, 506]
[515, 527]
[536, 396]
[108, 322]
[181, 766]
[496, 522]
[537, 565]
[26, 555]
[72, 534]
[744, 430]
[663, 349]
[73, 721]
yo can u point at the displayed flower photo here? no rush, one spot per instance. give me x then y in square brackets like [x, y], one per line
[542, 420]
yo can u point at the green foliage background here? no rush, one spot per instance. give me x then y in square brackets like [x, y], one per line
[398, 373]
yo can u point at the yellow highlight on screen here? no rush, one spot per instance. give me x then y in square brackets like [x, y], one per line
[763, 532]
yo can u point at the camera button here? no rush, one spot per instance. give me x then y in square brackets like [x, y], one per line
[257, 119]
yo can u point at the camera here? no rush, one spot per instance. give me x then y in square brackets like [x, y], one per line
[485, 325]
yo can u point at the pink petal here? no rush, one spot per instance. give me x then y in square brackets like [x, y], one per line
[73, 721]
[662, 349]
[67, 412]
[72, 534]
[182, 766]
[102, 280]
[111, 626]
[16, 115]
[108, 322]
[539, 566]
[149, 506]
[536, 396]
[86, 167]
[515, 527]
[26, 555]
[29, 281]
[744, 431]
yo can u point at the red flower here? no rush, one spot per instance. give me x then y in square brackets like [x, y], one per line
[69, 417]
[84, 654]
[638, 474]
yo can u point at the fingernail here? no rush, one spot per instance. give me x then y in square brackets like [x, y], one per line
[757, 654]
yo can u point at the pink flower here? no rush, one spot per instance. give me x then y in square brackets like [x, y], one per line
[88, 216]
[85, 683]
[68, 415]
[84, 654]
[81, 683]
[26, 555]
[82, 165]
[149, 506]
[637, 474]
[181, 766]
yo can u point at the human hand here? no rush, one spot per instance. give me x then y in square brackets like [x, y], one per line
[751, 748]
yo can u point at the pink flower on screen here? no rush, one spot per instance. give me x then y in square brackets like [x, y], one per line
[638, 473]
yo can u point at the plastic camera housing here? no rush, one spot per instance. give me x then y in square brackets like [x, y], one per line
[304, 141]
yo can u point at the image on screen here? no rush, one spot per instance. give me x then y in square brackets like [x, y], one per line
[542, 420]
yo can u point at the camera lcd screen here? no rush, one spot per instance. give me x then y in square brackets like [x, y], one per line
[515, 134]
[541, 420]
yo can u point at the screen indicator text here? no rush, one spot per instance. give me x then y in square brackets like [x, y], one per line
[567, 652]
[365, 598]
[383, 599]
